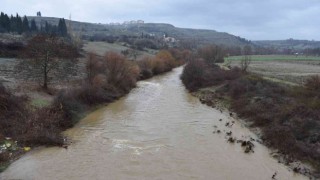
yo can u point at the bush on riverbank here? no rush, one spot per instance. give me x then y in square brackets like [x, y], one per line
[289, 117]
[197, 74]
[113, 76]
[108, 78]
[163, 62]
[27, 126]
[21, 126]
[12, 113]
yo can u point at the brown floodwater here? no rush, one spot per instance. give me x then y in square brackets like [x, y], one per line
[158, 131]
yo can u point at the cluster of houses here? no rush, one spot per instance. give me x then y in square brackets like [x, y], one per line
[128, 23]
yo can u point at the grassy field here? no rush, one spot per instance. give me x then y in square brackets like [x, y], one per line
[102, 47]
[276, 58]
[281, 68]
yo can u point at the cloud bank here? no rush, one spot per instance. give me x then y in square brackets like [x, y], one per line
[251, 19]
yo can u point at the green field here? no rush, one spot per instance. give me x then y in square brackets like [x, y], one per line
[276, 58]
[40, 103]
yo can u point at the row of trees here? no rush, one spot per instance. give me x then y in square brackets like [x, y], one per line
[60, 30]
[212, 54]
[259, 50]
[17, 24]
[312, 52]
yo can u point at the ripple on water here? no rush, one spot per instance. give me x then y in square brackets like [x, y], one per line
[137, 148]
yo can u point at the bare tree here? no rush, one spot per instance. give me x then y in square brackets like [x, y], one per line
[246, 59]
[94, 66]
[112, 71]
[75, 36]
[212, 54]
[46, 58]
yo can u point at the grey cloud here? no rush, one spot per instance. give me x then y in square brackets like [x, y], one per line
[252, 19]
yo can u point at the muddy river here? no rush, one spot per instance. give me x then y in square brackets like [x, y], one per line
[158, 131]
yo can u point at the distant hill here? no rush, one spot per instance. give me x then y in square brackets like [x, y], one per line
[288, 44]
[183, 34]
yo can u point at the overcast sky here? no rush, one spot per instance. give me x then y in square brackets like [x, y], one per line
[251, 19]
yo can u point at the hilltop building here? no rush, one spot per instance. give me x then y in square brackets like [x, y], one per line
[127, 22]
[169, 39]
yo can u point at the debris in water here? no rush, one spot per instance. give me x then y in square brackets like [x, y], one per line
[228, 124]
[8, 144]
[229, 133]
[239, 141]
[248, 149]
[26, 149]
[248, 145]
[296, 169]
[274, 175]
[231, 140]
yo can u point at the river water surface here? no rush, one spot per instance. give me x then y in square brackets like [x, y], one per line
[158, 131]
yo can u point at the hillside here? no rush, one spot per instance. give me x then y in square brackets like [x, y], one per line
[157, 29]
[288, 44]
[101, 48]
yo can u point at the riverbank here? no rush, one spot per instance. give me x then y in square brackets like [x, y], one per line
[109, 78]
[157, 131]
[287, 118]
[211, 98]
